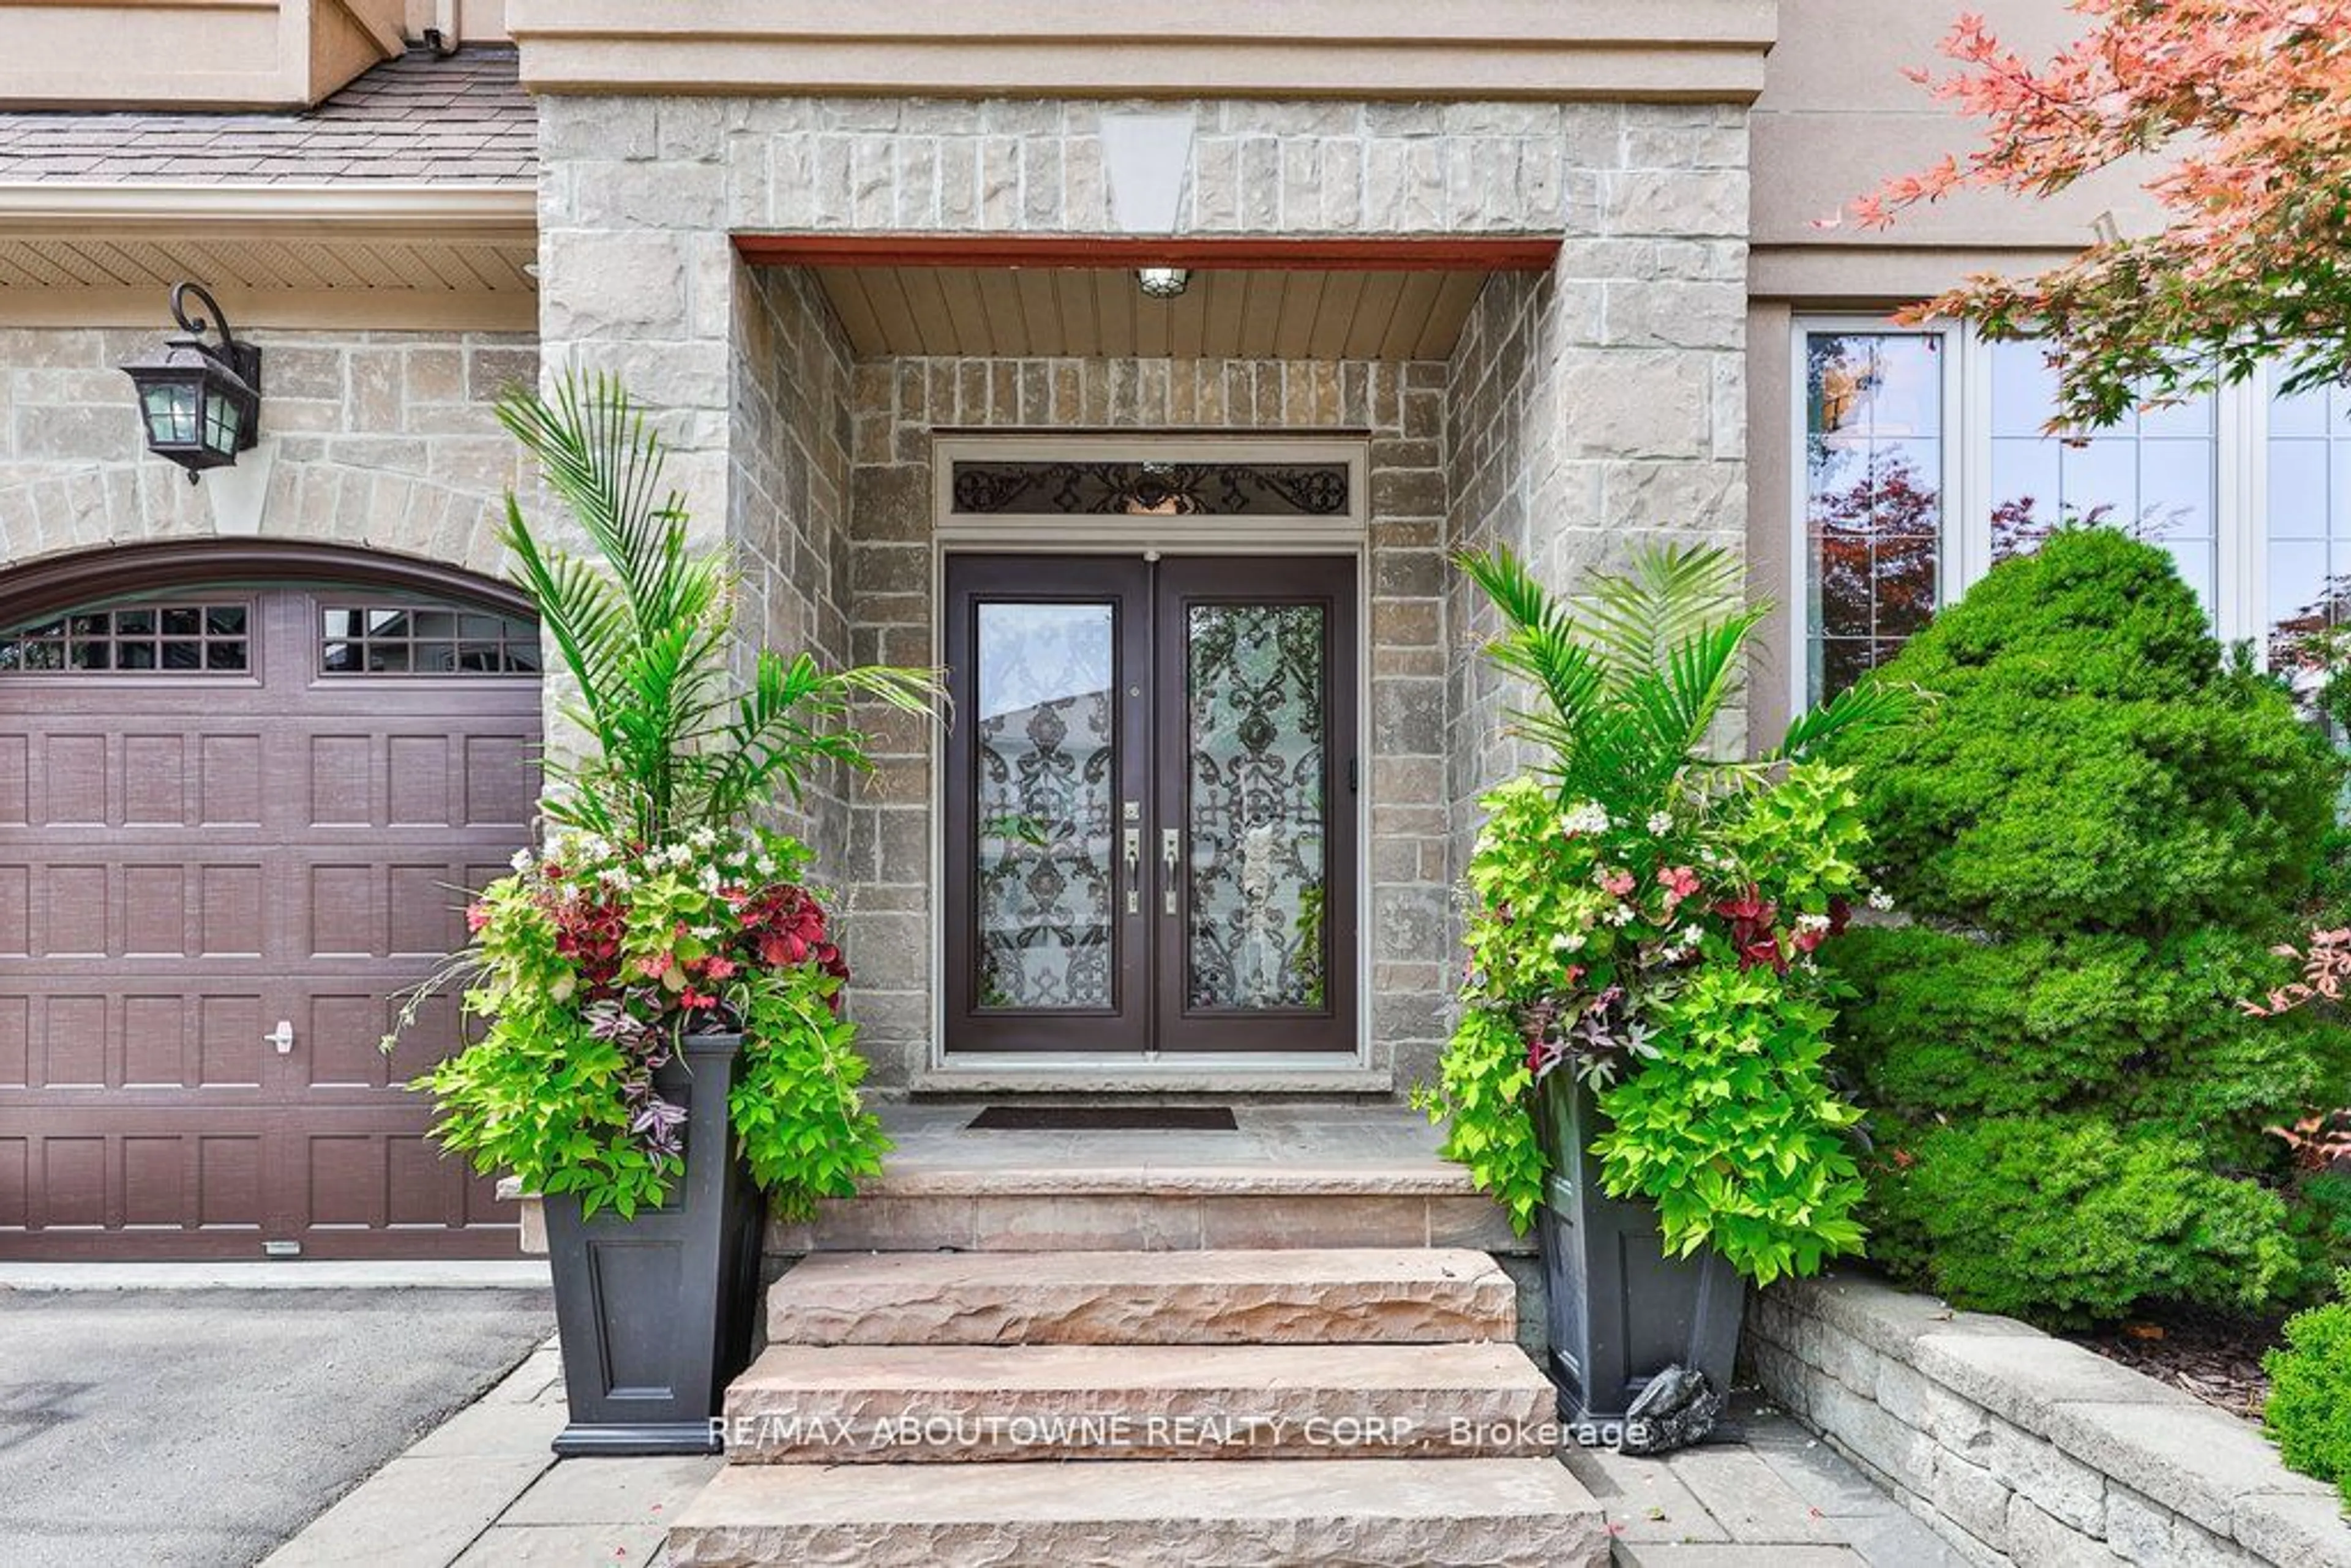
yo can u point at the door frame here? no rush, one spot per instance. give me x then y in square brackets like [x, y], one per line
[1151, 539]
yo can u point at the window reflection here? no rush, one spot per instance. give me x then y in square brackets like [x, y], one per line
[1874, 497]
[2308, 590]
[2153, 474]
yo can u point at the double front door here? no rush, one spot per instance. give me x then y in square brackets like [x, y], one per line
[1151, 804]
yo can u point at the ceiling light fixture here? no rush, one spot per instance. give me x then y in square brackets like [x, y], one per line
[1163, 282]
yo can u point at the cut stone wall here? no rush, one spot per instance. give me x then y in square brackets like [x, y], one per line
[899, 404]
[383, 440]
[2020, 1449]
[788, 499]
[1602, 406]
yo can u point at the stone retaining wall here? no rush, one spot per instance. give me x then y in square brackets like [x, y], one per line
[2021, 1448]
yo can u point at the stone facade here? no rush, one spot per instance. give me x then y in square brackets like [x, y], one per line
[1581, 409]
[787, 495]
[384, 440]
[2022, 1449]
[900, 404]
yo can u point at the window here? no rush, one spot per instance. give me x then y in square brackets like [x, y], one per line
[1873, 500]
[1148, 487]
[157, 639]
[1924, 461]
[424, 640]
[2307, 582]
[2155, 475]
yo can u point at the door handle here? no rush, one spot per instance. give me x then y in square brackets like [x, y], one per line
[282, 1037]
[1135, 870]
[1171, 858]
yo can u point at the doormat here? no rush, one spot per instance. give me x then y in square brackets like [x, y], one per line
[1104, 1119]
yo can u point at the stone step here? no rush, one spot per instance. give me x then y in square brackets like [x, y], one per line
[1351, 1295]
[855, 1403]
[1329, 1513]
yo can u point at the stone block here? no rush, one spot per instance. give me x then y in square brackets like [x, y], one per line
[2188, 1459]
[2063, 1487]
[2297, 1528]
[1905, 1456]
[2035, 1539]
[1422, 1514]
[1225, 1297]
[1971, 1497]
[2024, 1377]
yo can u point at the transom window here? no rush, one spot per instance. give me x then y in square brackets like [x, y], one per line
[1151, 488]
[446, 641]
[162, 638]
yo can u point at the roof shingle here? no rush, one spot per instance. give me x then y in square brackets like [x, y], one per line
[419, 119]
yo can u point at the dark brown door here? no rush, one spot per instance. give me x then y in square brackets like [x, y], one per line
[232, 825]
[1151, 805]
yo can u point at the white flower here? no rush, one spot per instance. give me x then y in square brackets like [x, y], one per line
[521, 860]
[613, 876]
[1879, 899]
[702, 838]
[1661, 821]
[1572, 942]
[1620, 916]
[1588, 818]
[1811, 922]
[710, 879]
[767, 865]
[1692, 935]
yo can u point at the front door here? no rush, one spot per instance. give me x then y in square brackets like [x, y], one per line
[1151, 841]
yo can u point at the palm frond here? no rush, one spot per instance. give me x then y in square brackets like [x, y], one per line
[1633, 619]
[1867, 706]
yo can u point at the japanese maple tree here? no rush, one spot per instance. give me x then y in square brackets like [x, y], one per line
[2245, 105]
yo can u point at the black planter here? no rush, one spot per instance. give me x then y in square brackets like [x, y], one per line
[654, 1312]
[1621, 1311]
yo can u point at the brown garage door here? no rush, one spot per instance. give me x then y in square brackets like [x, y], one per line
[233, 823]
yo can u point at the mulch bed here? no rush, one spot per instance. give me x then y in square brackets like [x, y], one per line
[2217, 1359]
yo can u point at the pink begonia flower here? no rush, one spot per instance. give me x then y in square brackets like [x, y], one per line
[1617, 883]
[1679, 883]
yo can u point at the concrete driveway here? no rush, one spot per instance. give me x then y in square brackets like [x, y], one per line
[195, 1429]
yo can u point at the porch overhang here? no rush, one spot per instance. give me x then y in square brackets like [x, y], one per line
[1675, 50]
[1077, 296]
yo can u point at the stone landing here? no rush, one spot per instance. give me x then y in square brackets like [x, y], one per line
[1314, 1175]
[1263, 1406]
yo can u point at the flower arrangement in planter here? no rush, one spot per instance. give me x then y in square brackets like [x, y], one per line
[659, 1042]
[1644, 1033]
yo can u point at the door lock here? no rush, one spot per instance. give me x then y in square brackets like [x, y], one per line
[282, 1037]
[1171, 854]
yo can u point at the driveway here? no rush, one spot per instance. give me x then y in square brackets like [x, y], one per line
[195, 1429]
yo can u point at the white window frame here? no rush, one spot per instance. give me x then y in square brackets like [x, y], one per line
[2240, 499]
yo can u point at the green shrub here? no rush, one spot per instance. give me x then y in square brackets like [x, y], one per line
[2309, 1409]
[2059, 1219]
[2103, 830]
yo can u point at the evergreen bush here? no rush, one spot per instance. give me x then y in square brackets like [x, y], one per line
[2309, 1409]
[2101, 832]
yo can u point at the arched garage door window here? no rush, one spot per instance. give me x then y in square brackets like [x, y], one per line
[242, 799]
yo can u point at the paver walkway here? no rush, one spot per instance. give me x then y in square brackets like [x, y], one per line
[484, 1492]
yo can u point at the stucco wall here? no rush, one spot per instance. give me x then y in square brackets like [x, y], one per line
[384, 440]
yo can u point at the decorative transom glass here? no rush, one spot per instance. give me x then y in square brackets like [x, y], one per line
[432, 640]
[163, 638]
[1151, 490]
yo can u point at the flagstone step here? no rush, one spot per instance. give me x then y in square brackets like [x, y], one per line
[1329, 1513]
[866, 1404]
[1349, 1295]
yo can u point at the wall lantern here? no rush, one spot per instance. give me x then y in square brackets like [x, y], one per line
[198, 402]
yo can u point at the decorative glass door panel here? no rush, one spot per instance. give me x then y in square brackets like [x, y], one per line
[1046, 730]
[1151, 806]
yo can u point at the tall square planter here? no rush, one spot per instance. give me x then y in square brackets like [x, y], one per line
[1620, 1311]
[655, 1311]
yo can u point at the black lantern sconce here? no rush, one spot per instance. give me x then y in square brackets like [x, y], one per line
[198, 402]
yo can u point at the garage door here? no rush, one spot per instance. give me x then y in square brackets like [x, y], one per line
[235, 823]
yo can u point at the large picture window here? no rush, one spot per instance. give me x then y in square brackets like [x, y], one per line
[1924, 458]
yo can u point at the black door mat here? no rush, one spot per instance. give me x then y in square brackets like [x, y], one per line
[1104, 1119]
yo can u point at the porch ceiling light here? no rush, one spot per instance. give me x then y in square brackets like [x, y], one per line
[1163, 282]
[198, 402]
